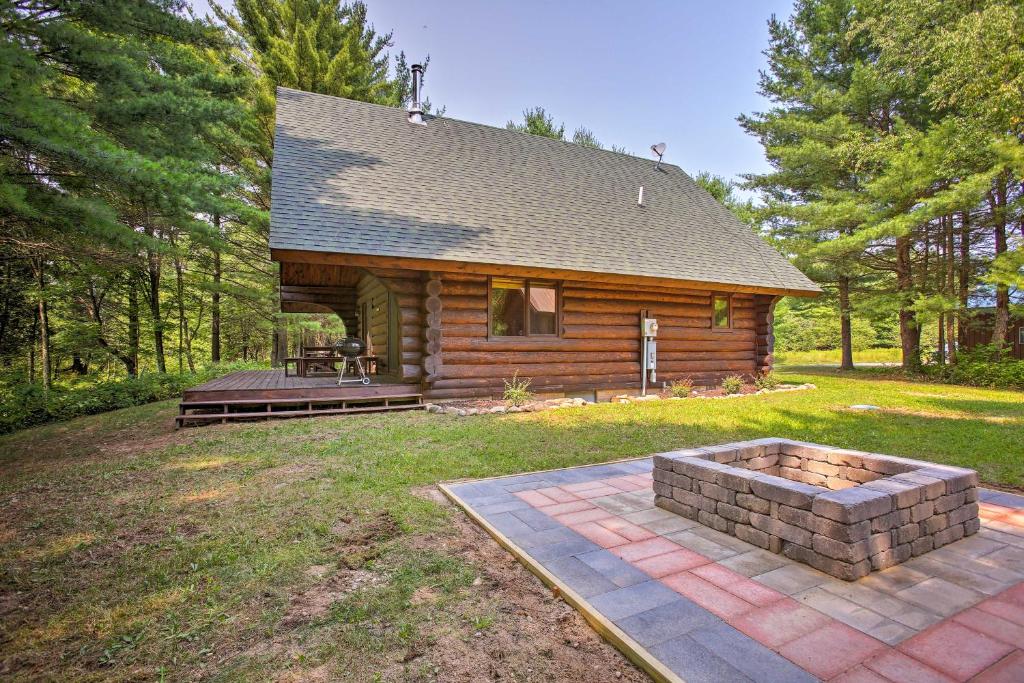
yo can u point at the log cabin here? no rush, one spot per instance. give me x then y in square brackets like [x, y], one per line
[466, 254]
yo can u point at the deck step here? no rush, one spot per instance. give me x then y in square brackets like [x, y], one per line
[287, 401]
[264, 415]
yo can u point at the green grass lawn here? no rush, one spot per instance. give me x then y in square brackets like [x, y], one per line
[294, 548]
[834, 356]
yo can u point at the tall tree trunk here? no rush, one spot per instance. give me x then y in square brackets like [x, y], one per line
[32, 351]
[153, 272]
[965, 276]
[215, 300]
[38, 266]
[845, 328]
[940, 350]
[910, 332]
[950, 351]
[131, 359]
[1001, 324]
[179, 294]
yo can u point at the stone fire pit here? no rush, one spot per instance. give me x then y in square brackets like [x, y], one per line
[841, 511]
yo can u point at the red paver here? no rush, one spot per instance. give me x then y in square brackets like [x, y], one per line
[536, 498]
[753, 592]
[1007, 670]
[639, 550]
[830, 650]
[631, 531]
[955, 650]
[780, 623]
[558, 494]
[859, 674]
[1003, 608]
[896, 666]
[591, 515]
[598, 534]
[670, 563]
[709, 596]
[582, 486]
[643, 480]
[563, 508]
[599, 492]
[625, 484]
[1016, 518]
[1013, 594]
[993, 626]
[991, 511]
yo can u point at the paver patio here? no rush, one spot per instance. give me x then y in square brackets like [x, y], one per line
[709, 606]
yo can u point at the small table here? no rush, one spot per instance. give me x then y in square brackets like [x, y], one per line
[325, 357]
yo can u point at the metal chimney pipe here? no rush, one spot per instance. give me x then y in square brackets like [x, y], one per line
[416, 107]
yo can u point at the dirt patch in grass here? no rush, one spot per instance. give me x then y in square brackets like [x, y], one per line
[527, 633]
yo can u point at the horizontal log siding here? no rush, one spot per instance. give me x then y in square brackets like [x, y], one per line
[406, 288]
[599, 347]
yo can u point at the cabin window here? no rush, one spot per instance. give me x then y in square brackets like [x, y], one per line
[1020, 335]
[521, 308]
[721, 314]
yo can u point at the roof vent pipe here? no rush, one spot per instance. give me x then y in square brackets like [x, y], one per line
[416, 107]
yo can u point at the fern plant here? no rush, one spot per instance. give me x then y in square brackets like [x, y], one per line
[517, 391]
[732, 384]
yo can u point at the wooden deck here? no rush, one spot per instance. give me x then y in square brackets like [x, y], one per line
[268, 394]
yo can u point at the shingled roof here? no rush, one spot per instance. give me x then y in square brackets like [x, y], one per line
[357, 178]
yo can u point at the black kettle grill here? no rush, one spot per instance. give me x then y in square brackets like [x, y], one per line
[352, 348]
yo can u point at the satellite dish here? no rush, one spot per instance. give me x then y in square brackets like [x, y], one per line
[659, 151]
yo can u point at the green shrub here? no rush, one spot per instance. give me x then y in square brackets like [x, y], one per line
[982, 366]
[681, 388]
[767, 380]
[732, 384]
[26, 405]
[517, 391]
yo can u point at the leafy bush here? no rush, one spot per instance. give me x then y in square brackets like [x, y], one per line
[517, 391]
[732, 384]
[25, 405]
[767, 380]
[681, 388]
[982, 366]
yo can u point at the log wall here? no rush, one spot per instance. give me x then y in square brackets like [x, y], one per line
[599, 347]
[438, 337]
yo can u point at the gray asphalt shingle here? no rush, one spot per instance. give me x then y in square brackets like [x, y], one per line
[357, 178]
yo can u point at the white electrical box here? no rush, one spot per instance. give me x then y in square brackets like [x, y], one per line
[650, 327]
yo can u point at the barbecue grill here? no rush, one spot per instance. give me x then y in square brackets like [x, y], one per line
[352, 348]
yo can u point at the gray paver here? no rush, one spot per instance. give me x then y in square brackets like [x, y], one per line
[551, 551]
[961, 573]
[1004, 537]
[695, 663]
[625, 602]
[666, 621]
[651, 515]
[699, 544]
[890, 606]
[510, 525]
[893, 579]
[941, 596]
[859, 617]
[974, 546]
[792, 578]
[545, 537]
[1010, 557]
[755, 562]
[749, 656]
[506, 506]
[613, 568]
[579, 576]
[622, 503]
[537, 519]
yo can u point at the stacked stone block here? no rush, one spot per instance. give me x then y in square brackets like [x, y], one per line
[843, 512]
